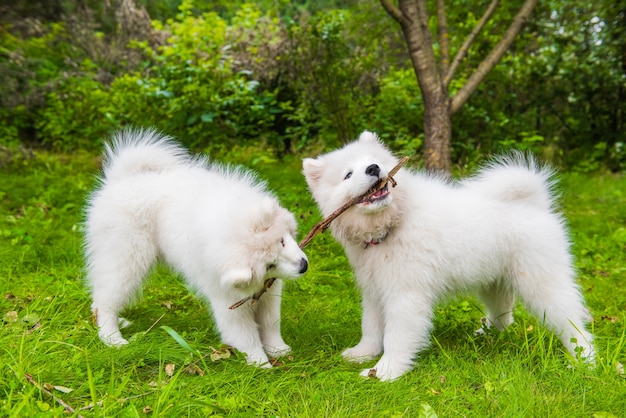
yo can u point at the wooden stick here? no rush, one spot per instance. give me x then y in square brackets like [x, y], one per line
[325, 223]
[60, 401]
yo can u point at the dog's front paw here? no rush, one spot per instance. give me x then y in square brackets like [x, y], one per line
[113, 340]
[277, 350]
[387, 370]
[361, 353]
[258, 359]
[384, 375]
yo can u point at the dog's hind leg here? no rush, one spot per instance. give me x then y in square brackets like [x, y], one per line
[560, 305]
[116, 269]
[498, 298]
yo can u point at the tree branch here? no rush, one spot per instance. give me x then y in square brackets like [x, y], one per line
[422, 14]
[444, 37]
[43, 389]
[462, 53]
[393, 11]
[494, 56]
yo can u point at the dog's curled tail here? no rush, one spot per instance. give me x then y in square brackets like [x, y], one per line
[516, 177]
[133, 151]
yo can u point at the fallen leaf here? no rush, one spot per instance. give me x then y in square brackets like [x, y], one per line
[220, 354]
[10, 317]
[371, 373]
[29, 320]
[63, 389]
[435, 392]
[275, 362]
[620, 369]
[147, 409]
[169, 369]
[427, 411]
[194, 369]
[34, 328]
[611, 319]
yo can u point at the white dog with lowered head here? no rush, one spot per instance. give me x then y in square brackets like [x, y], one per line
[219, 227]
[496, 233]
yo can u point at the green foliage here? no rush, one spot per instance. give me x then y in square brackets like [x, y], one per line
[75, 115]
[287, 76]
[397, 113]
[321, 76]
[204, 101]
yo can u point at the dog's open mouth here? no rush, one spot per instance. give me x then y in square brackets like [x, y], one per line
[379, 195]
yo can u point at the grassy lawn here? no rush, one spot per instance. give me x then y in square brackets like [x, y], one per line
[47, 335]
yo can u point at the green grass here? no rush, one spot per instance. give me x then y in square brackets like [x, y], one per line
[48, 333]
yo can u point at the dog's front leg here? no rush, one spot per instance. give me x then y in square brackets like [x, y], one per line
[371, 344]
[238, 328]
[408, 322]
[268, 318]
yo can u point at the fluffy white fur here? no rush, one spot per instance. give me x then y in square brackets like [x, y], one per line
[496, 233]
[218, 226]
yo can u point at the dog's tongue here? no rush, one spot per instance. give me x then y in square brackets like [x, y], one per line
[379, 193]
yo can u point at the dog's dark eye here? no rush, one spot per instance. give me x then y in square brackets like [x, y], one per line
[271, 266]
[348, 175]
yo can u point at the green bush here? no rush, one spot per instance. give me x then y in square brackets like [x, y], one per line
[396, 113]
[75, 115]
[204, 100]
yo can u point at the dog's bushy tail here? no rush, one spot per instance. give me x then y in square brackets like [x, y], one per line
[133, 151]
[516, 177]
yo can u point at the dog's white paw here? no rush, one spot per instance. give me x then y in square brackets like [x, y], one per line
[382, 374]
[388, 369]
[360, 353]
[123, 322]
[258, 358]
[277, 350]
[113, 340]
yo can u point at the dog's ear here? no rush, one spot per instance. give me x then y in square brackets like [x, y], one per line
[284, 217]
[238, 277]
[312, 169]
[265, 215]
[367, 136]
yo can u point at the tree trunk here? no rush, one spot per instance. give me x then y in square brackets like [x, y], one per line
[413, 19]
[438, 134]
[433, 81]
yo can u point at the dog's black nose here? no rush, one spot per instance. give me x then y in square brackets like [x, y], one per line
[304, 265]
[373, 170]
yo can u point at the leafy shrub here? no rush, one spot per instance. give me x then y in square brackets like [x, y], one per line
[333, 78]
[203, 100]
[396, 113]
[75, 115]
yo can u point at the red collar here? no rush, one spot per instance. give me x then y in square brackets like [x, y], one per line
[375, 241]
